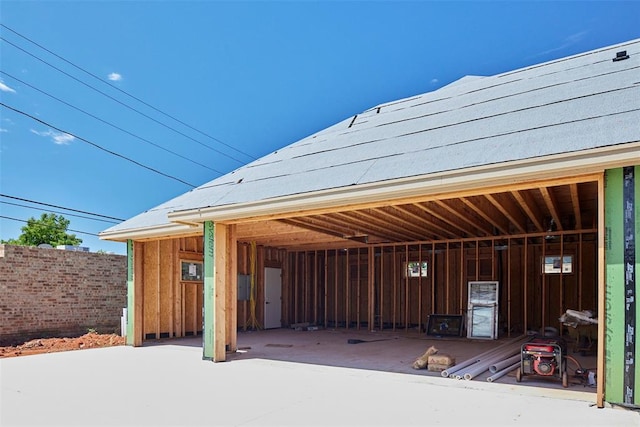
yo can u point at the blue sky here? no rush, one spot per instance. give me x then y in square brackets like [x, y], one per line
[242, 78]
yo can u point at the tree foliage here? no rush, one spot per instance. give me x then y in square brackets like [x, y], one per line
[50, 229]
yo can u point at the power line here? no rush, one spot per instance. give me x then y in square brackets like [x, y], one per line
[68, 229]
[121, 103]
[57, 212]
[97, 146]
[108, 123]
[59, 207]
[127, 93]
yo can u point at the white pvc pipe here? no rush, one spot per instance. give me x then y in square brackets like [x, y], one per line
[507, 362]
[448, 372]
[502, 373]
[484, 365]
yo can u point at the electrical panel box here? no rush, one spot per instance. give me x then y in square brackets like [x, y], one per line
[244, 287]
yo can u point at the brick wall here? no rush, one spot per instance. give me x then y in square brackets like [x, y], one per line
[51, 292]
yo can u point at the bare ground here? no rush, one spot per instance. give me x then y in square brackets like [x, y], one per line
[51, 345]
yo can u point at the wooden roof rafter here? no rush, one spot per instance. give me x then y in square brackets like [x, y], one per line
[575, 201]
[506, 205]
[552, 205]
[530, 207]
[488, 212]
[444, 228]
[498, 212]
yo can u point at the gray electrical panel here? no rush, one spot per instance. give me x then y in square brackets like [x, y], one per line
[244, 287]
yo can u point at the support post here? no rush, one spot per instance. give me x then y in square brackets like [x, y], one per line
[219, 292]
[131, 299]
[209, 258]
[215, 279]
[232, 289]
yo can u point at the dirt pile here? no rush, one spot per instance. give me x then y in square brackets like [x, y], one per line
[51, 345]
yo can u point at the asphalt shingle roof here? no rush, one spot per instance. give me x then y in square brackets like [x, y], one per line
[568, 105]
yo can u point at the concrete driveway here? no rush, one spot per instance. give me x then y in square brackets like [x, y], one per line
[170, 385]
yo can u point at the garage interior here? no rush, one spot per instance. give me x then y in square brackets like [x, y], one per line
[389, 268]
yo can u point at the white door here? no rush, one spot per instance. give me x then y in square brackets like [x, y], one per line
[272, 298]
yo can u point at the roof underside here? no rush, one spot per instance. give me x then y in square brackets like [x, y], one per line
[575, 105]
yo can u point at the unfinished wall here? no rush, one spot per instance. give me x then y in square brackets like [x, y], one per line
[252, 260]
[172, 307]
[373, 287]
[50, 292]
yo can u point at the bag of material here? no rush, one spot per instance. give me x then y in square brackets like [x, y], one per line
[421, 362]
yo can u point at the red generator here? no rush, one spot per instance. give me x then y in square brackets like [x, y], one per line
[543, 357]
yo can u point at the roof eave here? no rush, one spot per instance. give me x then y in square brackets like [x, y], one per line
[163, 231]
[548, 167]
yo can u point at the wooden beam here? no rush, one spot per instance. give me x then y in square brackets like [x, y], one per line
[220, 289]
[444, 215]
[552, 205]
[326, 288]
[358, 290]
[525, 282]
[380, 228]
[602, 297]
[347, 286]
[208, 302]
[370, 288]
[433, 223]
[469, 217]
[335, 289]
[158, 289]
[232, 289]
[393, 220]
[307, 223]
[135, 293]
[530, 207]
[575, 202]
[512, 186]
[482, 207]
[508, 208]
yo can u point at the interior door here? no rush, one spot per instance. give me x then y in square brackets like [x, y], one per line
[272, 298]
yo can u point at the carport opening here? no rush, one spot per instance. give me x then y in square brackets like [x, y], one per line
[389, 269]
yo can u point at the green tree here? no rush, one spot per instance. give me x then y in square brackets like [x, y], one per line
[50, 229]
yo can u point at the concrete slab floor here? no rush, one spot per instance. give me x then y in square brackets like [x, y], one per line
[281, 378]
[387, 351]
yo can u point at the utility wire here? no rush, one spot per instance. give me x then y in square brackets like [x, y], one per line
[58, 212]
[121, 103]
[60, 207]
[97, 146]
[108, 123]
[127, 93]
[68, 229]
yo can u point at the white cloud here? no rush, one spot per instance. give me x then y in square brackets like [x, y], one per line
[5, 88]
[115, 77]
[434, 81]
[567, 42]
[3, 130]
[57, 137]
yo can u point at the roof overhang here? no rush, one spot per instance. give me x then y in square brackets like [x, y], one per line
[426, 186]
[454, 183]
[159, 232]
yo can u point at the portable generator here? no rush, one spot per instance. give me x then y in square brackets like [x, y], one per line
[544, 357]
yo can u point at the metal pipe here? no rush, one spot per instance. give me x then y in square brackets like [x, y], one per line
[503, 372]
